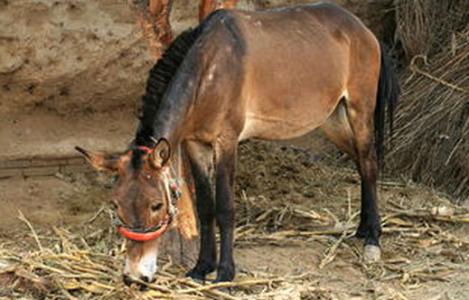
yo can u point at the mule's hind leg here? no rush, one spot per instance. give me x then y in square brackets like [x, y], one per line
[201, 158]
[351, 130]
[338, 130]
[360, 114]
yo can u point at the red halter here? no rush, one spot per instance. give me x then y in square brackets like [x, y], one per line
[145, 149]
[143, 236]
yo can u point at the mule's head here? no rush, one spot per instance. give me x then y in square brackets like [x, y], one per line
[143, 198]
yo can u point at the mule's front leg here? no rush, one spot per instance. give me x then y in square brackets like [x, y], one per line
[201, 158]
[225, 214]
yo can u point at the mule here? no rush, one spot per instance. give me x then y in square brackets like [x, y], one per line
[272, 75]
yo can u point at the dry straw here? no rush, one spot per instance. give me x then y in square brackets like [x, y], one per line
[431, 142]
[425, 27]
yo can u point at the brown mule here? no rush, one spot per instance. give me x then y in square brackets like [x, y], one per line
[271, 75]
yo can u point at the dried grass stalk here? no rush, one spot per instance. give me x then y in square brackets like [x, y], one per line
[431, 143]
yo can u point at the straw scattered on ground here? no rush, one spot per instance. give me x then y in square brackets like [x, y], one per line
[419, 238]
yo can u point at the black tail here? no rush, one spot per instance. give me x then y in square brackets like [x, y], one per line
[388, 95]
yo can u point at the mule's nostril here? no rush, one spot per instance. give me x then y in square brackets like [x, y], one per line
[146, 279]
[127, 280]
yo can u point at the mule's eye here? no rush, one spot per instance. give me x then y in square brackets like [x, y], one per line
[156, 206]
[114, 205]
[114, 179]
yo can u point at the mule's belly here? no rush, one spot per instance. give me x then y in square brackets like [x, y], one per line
[290, 121]
[268, 128]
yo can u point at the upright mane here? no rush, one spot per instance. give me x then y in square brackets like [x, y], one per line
[158, 80]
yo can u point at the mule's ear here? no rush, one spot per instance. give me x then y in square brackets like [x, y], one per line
[160, 155]
[100, 161]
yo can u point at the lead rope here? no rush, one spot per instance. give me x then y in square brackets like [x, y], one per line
[173, 192]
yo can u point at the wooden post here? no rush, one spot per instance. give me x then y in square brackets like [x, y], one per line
[154, 20]
[207, 6]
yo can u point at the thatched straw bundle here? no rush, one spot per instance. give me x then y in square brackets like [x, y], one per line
[425, 27]
[431, 142]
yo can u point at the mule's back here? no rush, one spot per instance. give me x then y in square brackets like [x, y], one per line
[298, 63]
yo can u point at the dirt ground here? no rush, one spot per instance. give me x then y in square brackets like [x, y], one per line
[287, 196]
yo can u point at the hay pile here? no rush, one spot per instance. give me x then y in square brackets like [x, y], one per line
[431, 142]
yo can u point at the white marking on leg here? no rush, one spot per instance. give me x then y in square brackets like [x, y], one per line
[371, 254]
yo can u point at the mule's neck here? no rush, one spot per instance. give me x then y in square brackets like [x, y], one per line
[173, 116]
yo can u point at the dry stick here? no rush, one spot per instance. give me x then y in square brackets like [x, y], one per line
[67, 246]
[67, 294]
[96, 215]
[332, 252]
[23, 219]
[414, 68]
[349, 203]
[453, 151]
[214, 293]
[231, 284]
[334, 217]
[424, 215]
[392, 183]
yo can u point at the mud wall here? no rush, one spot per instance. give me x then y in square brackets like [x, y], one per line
[88, 56]
[69, 56]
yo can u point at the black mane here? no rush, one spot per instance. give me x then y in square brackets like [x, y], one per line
[158, 80]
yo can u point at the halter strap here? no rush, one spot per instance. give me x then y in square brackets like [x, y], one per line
[143, 236]
[173, 192]
[145, 149]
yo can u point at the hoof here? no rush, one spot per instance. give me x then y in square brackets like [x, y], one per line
[199, 272]
[196, 276]
[371, 254]
[223, 278]
[225, 274]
